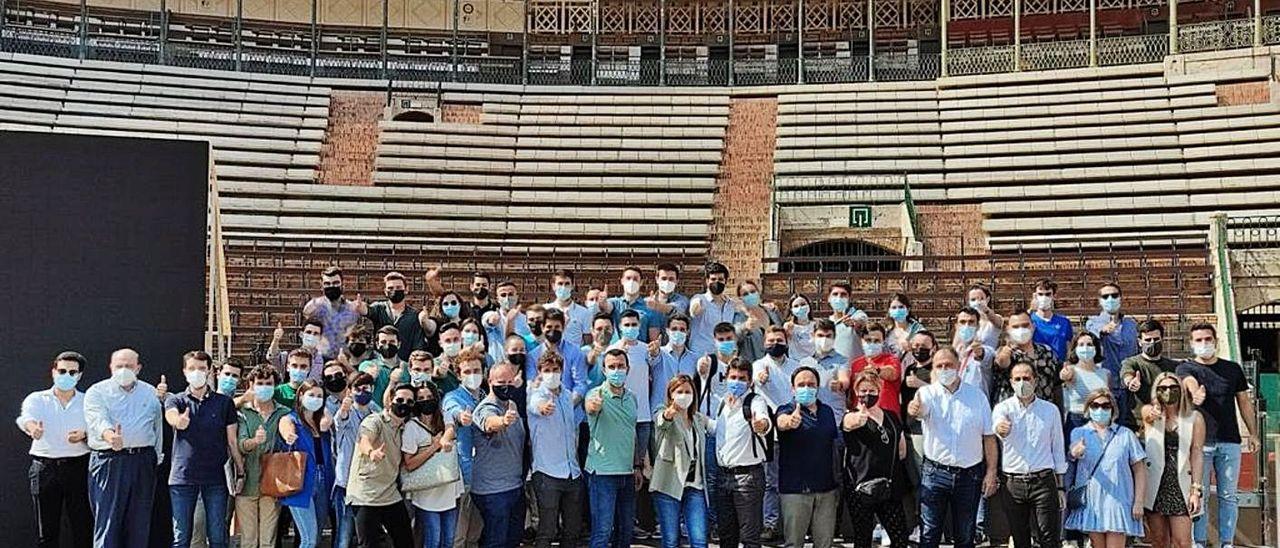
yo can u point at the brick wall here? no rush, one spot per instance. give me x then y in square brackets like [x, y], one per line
[744, 186]
[459, 113]
[951, 230]
[351, 139]
[1244, 93]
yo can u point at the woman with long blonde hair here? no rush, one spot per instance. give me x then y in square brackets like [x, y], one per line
[1174, 438]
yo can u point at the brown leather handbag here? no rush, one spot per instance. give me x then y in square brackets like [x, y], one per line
[282, 473]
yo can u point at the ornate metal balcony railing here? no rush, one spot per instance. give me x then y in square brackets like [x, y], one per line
[1054, 55]
[980, 60]
[1132, 50]
[1215, 35]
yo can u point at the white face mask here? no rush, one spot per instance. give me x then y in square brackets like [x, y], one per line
[1204, 351]
[666, 286]
[472, 381]
[823, 344]
[1044, 302]
[1020, 335]
[452, 349]
[1023, 389]
[197, 378]
[551, 381]
[124, 376]
[630, 287]
[682, 400]
[946, 377]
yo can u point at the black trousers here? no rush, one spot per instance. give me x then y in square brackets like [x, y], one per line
[394, 518]
[560, 502]
[865, 513]
[1032, 504]
[61, 487]
[741, 495]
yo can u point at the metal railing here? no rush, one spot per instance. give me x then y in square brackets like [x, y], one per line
[1054, 55]
[1132, 50]
[980, 60]
[1215, 35]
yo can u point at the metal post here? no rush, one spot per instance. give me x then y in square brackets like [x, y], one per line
[315, 36]
[524, 46]
[662, 43]
[1257, 23]
[84, 29]
[1093, 33]
[239, 26]
[946, 14]
[164, 27]
[871, 40]
[1017, 35]
[453, 44]
[800, 40]
[1173, 27]
[382, 37]
[733, 26]
[595, 31]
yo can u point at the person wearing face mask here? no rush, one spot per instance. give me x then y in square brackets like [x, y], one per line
[799, 327]
[1174, 440]
[384, 360]
[229, 377]
[679, 471]
[1020, 347]
[309, 339]
[359, 349]
[631, 299]
[751, 321]
[1138, 373]
[449, 308]
[54, 420]
[1051, 329]
[574, 371]
[990, 324]
[848, 319]
[123, 416]
[356, 403]
[614, 465]
[427, 437]
[335, 313]
[666, 301]
[975, 355]
[459, 408]
[577, 319]
[876, 357]
[444, 373]
[772, 380]
[959, 452]
[257, 427]
[480, 304]
[917, 370]
[307, 430]
[512, 318]
[1220, 389]
[743, 420]
[875, 444]
[372, 489]
[204, 438]
[1118, 335]
[414, 327]
[806, 441]
[297, 369]
[674, 358]
[497, 468]
[553, 435]
[1080, 376]
[1109, 466]
[710, 377]
[1034, 460]
[421, 367]
[709, 309]
[901, 325]
[601, 341]
[639, 384]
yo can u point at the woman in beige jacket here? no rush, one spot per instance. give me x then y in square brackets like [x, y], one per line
[1174, 437]
[678, 481]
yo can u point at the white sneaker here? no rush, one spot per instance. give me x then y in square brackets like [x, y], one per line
[1070, 544]
[878, 533]
[884, 541]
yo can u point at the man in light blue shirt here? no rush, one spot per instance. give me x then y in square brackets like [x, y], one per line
[1119, 334]
[574, 370]
[577, 327]
[673, 359]
[123, 415]
[666, 301]
[1035, 459]
[553, 434]
[1052, 329]
[458, 408]
[348, 406]
[631, 300]
[709, 309]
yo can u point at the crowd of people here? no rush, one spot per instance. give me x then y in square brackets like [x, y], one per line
[597, 420]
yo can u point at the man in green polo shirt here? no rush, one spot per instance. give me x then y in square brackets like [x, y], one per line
[612, 473]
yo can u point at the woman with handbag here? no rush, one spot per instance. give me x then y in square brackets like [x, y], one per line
[306, 430]
[874, 445]
[1176, 431]
[258, 426]
[431, 480]
[1110, 479]
[679, 475]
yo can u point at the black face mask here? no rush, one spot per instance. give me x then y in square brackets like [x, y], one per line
[777, 350]
[333, 293]
[716, 288]
[922, 355]
[869, 400]
[516, 358]
[396, 296]
[427, 407]
[402, 409]
[482, 293]
[535, 328]
[388, 350]
[505, 392]
[553, 336]
[357, 348]
[335, 383]
[1154, 349]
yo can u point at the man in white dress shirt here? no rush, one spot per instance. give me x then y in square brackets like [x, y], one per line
[54, 419]
[1030, 430]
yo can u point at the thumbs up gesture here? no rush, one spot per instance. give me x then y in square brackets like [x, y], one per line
[378, 453]
[1077, 450]
[361, 306]
[760, 424]
[1198, 396]
[1003, 426]
[855, 419]
[162, 389]
[916, 408]
[116, 439]
[464, 418]
[653, 348]
[278, 334]
[704, 366]
[762, 376]
[594, 403]
[790, 421]
[547, 408]
[260, 436]
[669, 413]
[35, 429]
[1133, 383]
[184, 419]
[510, 417]
[1068, 374]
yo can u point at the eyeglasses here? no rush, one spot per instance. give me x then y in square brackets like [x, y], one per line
[1109, 296]
[1167, 388]
[1100, 405]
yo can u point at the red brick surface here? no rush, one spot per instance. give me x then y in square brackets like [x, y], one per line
[744, 186]
[351, 140]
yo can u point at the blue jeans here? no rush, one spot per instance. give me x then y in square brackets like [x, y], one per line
[1225, 458]
[304, 519]
[344, 517]
[121, 493]
[710, 480]
[772, 504]
[437, 527]
[182, 500]
[692, 506]
[943, 488]
[613, 509]
[503, 516]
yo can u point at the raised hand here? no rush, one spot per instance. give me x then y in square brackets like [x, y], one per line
[464, 418]
[378, 453]
[669, 413]
[547, 408]
[290, 437]
[1077, 450]
[510, 417]
[916, 408]
[260, 436]
[704, 366]
[184, 419]
[326, 422]
[1067, 374]
[162, 389]
[432, 275]
[760, 424]
[763, 376]
[1134, 383]
[915, 382]
[594, 403]
[790, 421]
[278, 334]
[1151, 412]
[116, 439]
[361, 306]
[977, 350]
[653, 348]
[854, 420]
[446, 445]
[1003, 426]
[1004, 355]
[1198, 396]
[345, 407]
[35, 429]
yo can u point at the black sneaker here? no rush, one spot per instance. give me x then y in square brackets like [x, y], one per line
[770, 534]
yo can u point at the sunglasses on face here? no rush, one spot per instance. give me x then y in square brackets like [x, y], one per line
[448, 303]
[62, 371]
[1168, 388]
[1100, 405]
[1109, 296]
[401, 400]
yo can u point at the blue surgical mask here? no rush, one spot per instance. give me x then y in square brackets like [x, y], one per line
[297, 375]
[451, 310]
[872, 349]
[751, 299]
[470, 337]
[227, 385]
[563, 292]
[1110, 305]
[65, 381]
[309, 340]
[630, 332]
[677, 337]
[898, 314]
[263, 392]
[839, 304]
[966, 332]
[419, 377]
[946, 377]
[1086, 353]
[726, 347]
[312, 403]
[801, 312]
[616, 377]
[736, 387]
[1100, 416]
[806, 395]
[593, 309]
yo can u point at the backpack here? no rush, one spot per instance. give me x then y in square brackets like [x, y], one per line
[759, 442]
